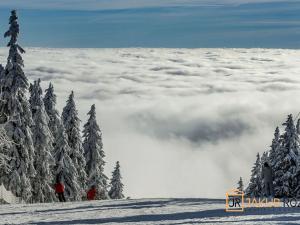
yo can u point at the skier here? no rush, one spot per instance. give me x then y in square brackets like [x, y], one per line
[91, 194]
[59, 189]
[267, 176]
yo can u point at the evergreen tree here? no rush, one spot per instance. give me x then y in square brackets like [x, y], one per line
[94, 155]
[42, 140]
[71, 123]
[14, 108]
[116, 190]
[240, 185]
[264, 159]
[50, 107]
[35, 101]
[65, 170]
[275, 146]
[254, 188]
[286, 161]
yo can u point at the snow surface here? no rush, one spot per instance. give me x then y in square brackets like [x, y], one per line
[143, 211]
[182, 122]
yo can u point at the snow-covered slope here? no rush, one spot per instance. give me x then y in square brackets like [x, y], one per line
[144, 211]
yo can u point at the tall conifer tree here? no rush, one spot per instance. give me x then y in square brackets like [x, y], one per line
[15, 109]
[254, 188]
[42, 140]
[116, 190]
[65, 170]
[71, 123]
[286, 161]
[94, 155]
[50, 107]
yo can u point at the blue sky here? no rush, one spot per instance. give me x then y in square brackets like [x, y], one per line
[164, 23]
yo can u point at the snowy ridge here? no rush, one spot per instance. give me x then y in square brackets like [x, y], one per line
[143, 211]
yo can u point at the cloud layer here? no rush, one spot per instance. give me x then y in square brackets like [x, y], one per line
[182, 122]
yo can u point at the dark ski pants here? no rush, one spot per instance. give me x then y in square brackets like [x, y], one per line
[269, 189]
[61, 197]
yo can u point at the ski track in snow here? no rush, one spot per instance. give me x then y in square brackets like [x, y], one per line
[182, 122]
[143, 211]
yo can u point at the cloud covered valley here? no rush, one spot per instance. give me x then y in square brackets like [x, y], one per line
[182, 122]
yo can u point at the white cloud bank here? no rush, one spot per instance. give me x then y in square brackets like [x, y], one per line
[118, 4]
[182, 122]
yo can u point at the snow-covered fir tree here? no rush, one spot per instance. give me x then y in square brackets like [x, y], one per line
[94, 155]
[275, 146]
[264, 159]
[71, 123]
[42, 140]
[36, 92]
[254, 188]
[116, 186]
[240, 184]
[286, 161]
[65, 170]
[15, 108]
[50, 107]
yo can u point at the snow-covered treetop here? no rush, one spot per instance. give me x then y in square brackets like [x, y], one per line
[36, 92]
[92, 135]
[240, 184]
[116, 191]
[50, 99]
[290, 139]
[13, 33]
[70, 116]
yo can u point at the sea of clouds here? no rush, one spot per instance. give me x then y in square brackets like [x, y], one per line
[182, 122]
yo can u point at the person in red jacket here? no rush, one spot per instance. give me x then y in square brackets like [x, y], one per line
[91, 194]
[60, 189]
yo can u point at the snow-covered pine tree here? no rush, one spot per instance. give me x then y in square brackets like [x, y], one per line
[264, 159]
[71, 123]
[42, 140]
[94, 155]
[116, 186]
[50, 107]
[15, 109]
[240, 184]
[65, 170]
[254, 188]
[36, 92]
[286, 161]
[275, 146]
